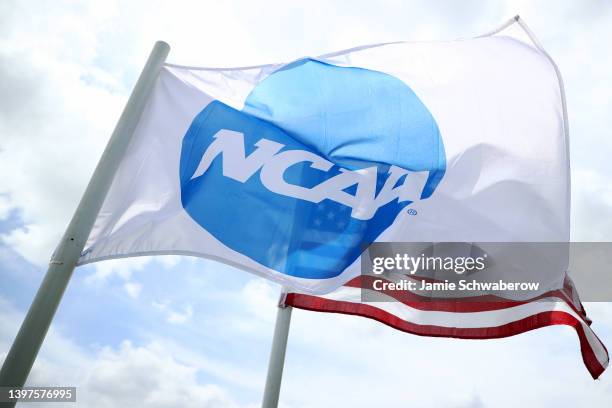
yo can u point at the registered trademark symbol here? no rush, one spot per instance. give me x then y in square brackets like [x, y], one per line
[412, 211]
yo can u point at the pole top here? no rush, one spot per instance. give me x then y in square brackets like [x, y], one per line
[162, 46]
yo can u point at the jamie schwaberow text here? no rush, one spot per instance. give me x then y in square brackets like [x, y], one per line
[462, 285]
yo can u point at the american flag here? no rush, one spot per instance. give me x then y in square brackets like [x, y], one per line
[471, 319]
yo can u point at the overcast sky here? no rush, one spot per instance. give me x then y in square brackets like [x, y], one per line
[177, 331]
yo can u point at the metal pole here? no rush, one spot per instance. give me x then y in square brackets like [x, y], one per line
[277, 355]
[22, 354]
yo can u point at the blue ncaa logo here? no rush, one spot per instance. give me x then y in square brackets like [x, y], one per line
[319, 162]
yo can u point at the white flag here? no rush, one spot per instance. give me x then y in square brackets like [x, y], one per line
[289, 170]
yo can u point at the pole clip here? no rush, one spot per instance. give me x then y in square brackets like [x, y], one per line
[281, 300]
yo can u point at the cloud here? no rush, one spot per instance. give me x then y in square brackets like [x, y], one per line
[124, 269]
[147, 376]
[56, 351]
[124, 376]
[53, 126]
[65, 73]
[4, 207]
[121, 268]
[133, 289]
[231, 371]
[260, 299]
[172, 315]
[591, 206]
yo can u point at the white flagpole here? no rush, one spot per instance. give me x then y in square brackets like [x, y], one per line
[277, 354]
[22, 354]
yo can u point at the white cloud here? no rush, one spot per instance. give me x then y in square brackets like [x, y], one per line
[133, 289]
[125, 376]
[56, 350]
[173, 315]
[124, 270]
[591, 206]
[63, 70]
[146, 376]
[239, 375]
[121, 268]
[4, 207]
[260, 299]
[53, 128]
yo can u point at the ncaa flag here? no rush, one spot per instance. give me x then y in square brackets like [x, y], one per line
[290, 170]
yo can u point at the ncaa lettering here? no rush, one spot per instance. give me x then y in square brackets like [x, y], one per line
[272, 162]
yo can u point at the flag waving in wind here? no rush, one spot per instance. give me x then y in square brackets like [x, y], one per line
[290, 170]
[473, 319]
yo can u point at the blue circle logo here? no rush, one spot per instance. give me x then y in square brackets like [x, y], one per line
[314, 168]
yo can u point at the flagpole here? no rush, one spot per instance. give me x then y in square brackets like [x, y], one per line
[277, 354]
[26, 345]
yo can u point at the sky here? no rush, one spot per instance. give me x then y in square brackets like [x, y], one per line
[177, 331]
